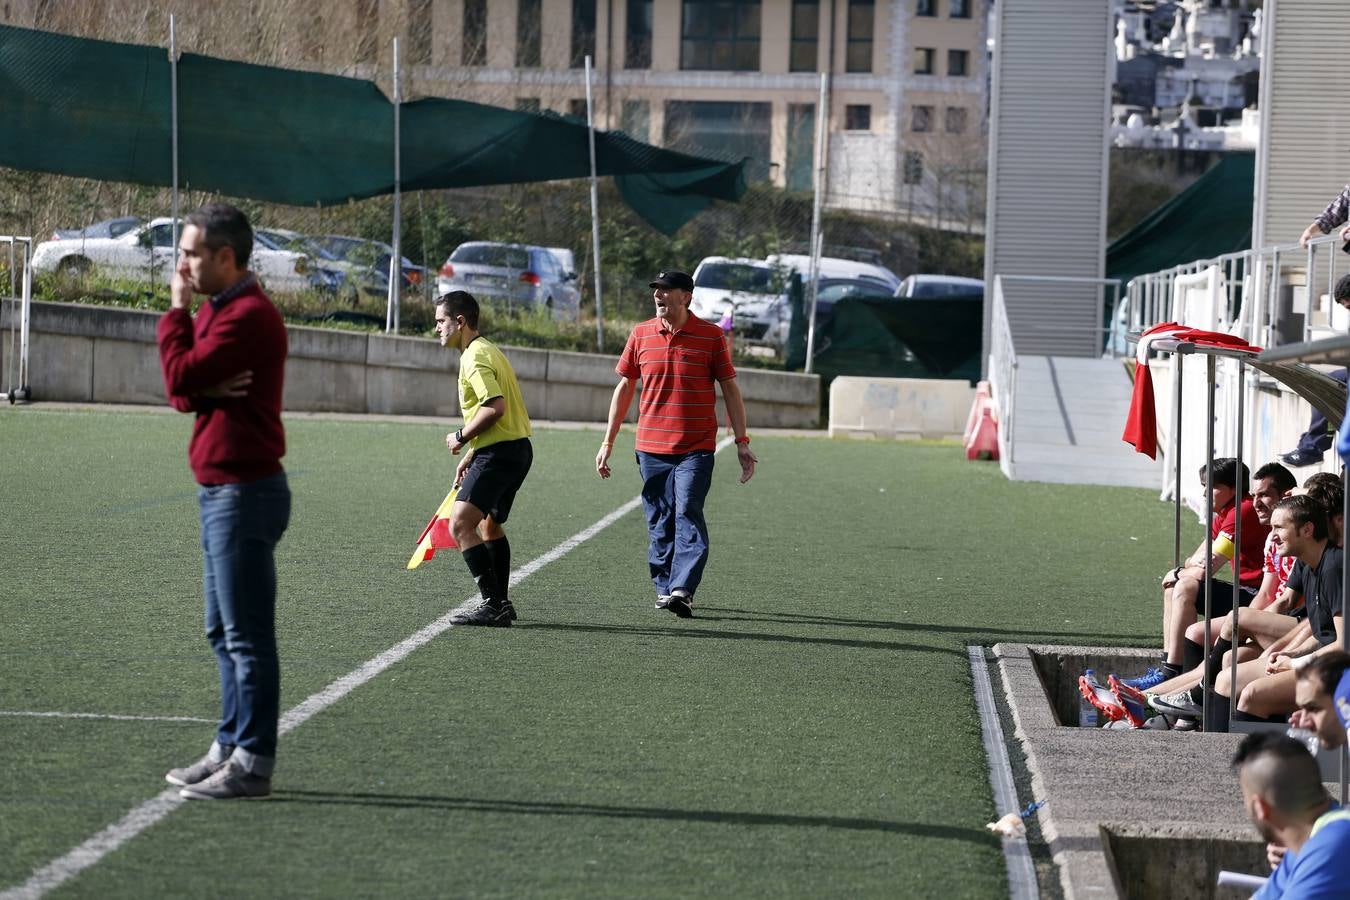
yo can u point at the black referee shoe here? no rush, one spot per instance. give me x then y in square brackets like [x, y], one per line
[482, 613]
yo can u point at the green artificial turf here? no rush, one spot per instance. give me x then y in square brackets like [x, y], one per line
[812, 732]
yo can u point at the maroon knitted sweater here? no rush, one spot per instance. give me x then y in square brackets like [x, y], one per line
[238, 439]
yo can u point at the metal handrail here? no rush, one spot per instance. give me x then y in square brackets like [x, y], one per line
[1251, 280]
[19, 388]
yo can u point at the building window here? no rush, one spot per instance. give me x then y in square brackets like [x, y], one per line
[804, 56]
[474, 49]
[576, 108]
[637, 120]
[721, 35]
[528, 104]
[960, 9]
[723, 130]
[925, 7]
[861, 16]
[419, 32]
[957, 61]
[801, 144]
[923, 60]
[858, 117]
[921, 118]
[637, 53]
[913, 173]
[529, 28]
[583, 32]
[956, 120]
[367, 29]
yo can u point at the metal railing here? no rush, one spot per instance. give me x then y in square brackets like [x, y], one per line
[21, 292]
[1274, 295]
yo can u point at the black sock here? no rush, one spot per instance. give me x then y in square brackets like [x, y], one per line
[1192, 655]
[1216, 714]
[501, 563]
[1215, 666]
[479, 560]
[1171, 670]
[1240, 716]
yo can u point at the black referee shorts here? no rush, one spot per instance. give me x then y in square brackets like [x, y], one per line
[494, 475]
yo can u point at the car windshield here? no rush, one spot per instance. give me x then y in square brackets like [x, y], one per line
[498, 255]
[738, 277]
[275, 240]
[937, 289]
[830, 292]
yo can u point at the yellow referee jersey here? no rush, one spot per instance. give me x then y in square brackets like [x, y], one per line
[485, 373]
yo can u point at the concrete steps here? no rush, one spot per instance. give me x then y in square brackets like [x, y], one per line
[1067, 423]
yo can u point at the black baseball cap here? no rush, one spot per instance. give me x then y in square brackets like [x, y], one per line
[678, 280]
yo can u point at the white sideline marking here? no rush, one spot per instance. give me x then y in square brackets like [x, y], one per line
[76, 715]
[89, 853]
[142, 817]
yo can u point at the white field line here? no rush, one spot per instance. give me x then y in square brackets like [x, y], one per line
[78, 715]
[89, 853]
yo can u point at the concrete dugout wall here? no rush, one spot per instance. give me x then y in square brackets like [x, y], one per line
[102, 354]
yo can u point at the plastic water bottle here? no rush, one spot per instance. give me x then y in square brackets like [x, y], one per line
[1087, 713]
[1307, 738]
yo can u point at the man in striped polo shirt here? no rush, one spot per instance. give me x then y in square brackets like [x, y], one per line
[678, 357]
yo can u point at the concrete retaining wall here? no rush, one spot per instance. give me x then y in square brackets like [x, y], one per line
[108, 355]
[899, 407]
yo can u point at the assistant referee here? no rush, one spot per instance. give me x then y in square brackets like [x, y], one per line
[497, 432]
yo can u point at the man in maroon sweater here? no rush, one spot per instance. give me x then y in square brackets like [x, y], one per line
[227, 366]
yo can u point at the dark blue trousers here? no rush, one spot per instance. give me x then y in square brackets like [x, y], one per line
[1317, 438]
[674, 486]
[241, 525]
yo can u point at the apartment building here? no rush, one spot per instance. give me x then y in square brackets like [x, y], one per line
[730, 78]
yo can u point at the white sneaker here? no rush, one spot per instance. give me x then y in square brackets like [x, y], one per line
[1177, 704]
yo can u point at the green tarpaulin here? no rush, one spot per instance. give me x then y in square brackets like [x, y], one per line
[97, 109]
[891, 338]
[1210, 218]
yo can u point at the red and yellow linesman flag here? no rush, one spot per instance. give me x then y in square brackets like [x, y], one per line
[436, 536]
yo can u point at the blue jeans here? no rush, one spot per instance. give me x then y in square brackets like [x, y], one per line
[674, 486]
[241, 524]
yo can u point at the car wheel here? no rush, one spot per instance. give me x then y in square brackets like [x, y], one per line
[74, 265]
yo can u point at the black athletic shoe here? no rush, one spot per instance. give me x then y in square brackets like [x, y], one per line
[1299, 458]
[481, 612]
[681, 606]
[509, 610]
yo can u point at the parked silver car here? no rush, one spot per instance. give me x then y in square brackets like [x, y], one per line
[515, 276]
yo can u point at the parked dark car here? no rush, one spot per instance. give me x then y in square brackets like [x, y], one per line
[367, 263]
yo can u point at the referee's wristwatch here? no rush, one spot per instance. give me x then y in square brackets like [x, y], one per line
[459, 435]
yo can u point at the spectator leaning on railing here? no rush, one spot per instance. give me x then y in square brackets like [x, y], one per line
[1336, 214]
[1317, 440]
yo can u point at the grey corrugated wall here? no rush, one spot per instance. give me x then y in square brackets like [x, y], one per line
[1047, 167]
[1304, 158]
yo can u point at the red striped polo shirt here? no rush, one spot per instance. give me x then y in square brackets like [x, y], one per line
[677, 409]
